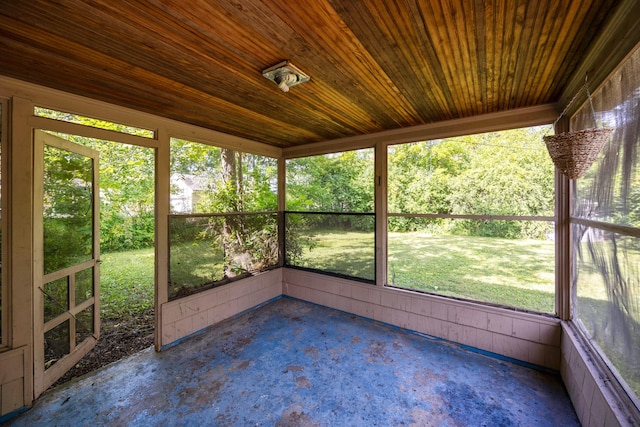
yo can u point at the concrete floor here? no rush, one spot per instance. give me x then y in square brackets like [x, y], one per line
[291, 363]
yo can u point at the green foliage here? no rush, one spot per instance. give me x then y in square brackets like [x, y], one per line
[499, 173]
[296, 241]
[68, 213]
[127, 183]
[231, 181]
[252, 187]
[341, 182]
[127, 187]
[509, 174]
[421, 175]
[122, 232]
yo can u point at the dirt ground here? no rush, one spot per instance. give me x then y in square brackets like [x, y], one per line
[118, 339]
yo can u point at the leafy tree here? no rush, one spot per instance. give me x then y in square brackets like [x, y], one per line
[233, 182]
[333, 183]
[68, 212]
[341, 182]
[126, 184]
[127, 191]
[509, 173]
[420, 179]
[497, 173]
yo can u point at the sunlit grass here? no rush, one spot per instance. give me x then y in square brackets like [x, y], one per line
[348, 253]
[517, 273]
[194, 264]
[127, 278]
[126, 283]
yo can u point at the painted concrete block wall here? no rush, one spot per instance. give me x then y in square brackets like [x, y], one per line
[525, 337]
[12, 386]
[187, 315]
[590, 393]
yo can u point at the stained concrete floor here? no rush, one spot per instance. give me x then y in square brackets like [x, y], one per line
[291, 363]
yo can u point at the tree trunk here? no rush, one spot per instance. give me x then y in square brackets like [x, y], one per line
[236, 259]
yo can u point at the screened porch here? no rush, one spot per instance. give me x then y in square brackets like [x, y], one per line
[390, 183]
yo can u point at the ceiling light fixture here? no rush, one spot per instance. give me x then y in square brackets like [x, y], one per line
[285, 75]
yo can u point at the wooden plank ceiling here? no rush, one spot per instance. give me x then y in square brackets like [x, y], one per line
[375, 65]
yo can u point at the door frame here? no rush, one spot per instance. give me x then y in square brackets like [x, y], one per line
[44, 378]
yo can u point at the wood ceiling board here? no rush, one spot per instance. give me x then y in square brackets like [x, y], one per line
[375, 66]
[139, 89]
[412, 73]
[132, 91]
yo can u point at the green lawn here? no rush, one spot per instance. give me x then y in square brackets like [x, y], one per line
[348, 253]
[127, 278]
[194, 264]
[511, 272]
[126, 283]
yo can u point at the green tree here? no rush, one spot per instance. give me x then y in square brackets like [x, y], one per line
[420, 178]
[332, 183]
[127, 183]
[509, 173]
[232, 182]
[496, 173]
[341, 182]
[127, 192]
[68, 209]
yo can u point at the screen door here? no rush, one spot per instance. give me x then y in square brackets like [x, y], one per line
[66, 268]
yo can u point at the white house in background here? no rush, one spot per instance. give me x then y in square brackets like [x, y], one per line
[185, 192]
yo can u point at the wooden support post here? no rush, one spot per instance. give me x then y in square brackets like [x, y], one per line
[282, 206]
[21, 237]
[563, 237]
[381, 212]
[163, 202]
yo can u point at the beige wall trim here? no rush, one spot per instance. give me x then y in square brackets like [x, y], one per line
[206, 136]
[90, 132]
[5, 292]
[530, 338]
[599, 399]
[563, 236]
[511, 119]
[282, 206]
[58, 100]
[20, 205]
[14, 389]
[162, 211]
[188, 315]
[21, 321]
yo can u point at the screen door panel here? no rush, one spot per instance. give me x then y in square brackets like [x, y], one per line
[66, 268]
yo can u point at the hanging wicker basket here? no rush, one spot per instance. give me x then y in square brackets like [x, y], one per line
[574, 152]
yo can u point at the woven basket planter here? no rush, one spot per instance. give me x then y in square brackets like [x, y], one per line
[574, 152]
